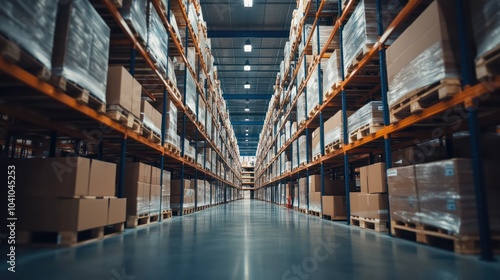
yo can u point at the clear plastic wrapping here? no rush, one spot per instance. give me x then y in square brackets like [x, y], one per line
[486, 25]
[200, 195]
[165, 194]
[430, 66]
[193, 18]
[331, 72]
[137, 188]
[446, 195]
[403, 194]
[371, 113]
[191, 93]
[189, 150]
[303, 193]
[188, 198]
[360, 31]
[31, 24]
[157, 39]
[134, 12]
[287, 50]
[171, 72]
[312, 91]
[301, 108]
[333, 135]
[174, 25]
[202, 111]
[324, 34]
[81, 47]
[315, 202]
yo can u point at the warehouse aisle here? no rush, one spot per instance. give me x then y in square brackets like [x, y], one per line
[248, 240]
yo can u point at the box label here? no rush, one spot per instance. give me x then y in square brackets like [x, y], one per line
[380, 108]
[450, 205]
[392, 172]
[449, 170]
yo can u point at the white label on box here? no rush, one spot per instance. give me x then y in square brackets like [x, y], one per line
[380, 108]
[450, 205]
[392, 172]
[449, 170]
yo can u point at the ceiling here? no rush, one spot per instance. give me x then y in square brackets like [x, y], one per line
[266, 25]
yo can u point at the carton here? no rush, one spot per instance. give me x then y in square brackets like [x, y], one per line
[354, 204]
[117, 209]
[136, 99]
[53, 177]
[403, 194]
[62, 214]
[334, 206]
[377, 180]
[119, 90]
[176, 186]
[102, 178]
[315, 201]
[377, 206]
[363, 178]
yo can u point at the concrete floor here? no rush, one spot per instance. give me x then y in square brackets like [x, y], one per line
[248, 240]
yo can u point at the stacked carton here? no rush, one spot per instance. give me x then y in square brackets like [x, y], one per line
[142, 189]
[334, 133]
[303, 190]
[165, 191]
[176, 195]
[123, 91]
[150, 117]
[371, 202]
[77, 194]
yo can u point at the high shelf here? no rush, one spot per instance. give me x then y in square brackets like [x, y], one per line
[248, 177]
[42, 118]
[285, 155]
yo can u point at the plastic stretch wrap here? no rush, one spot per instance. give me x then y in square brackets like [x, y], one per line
[486, 23]
[371, 113]
[331, 71]
[31, 24]
[188, 198]
[202, 111]
[207, 193]
[359, 31]
[189, 150]
[174, 139]
[193, 18]
[287, 50]
[200, 195]
[301, 108]
[157, 38]
[191, 57]
[403, 195]
[171, 71]
[134, 12]
[302, 193]
[81, 51]
[302, 146]
[173, 23]
[324, 34]
[191, 93]
[172, 118]
[312, 91]
[314, 205]
[431, 66]
[446, 195]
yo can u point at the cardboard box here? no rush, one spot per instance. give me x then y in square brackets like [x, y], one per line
[176, 186]
[147, 113]
[353, 203]
[403, 194]
[363, 205]
[377, 206]
[119, 89]
[53, 177]
[136, 98]
[315, 201]
[117, 210]
[334, 206]
[102, 180]
[377, 179]
[62, 214]
[363, 179]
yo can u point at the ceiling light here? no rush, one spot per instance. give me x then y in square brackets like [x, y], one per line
[247, 85]
[246, 140]
[246, 129]
[246, 134]
[247, 109]
[248, 3]
[248, 46]
[247, 119]
[247, 66]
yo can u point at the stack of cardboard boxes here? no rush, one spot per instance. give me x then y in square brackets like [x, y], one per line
[188, 198]
[334, 132]
[142, 189]
[123, 92]
[371, 202]
[67, 194]
[151, 118]
[333, 202]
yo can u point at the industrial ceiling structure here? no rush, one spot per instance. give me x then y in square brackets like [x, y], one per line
[231, 25]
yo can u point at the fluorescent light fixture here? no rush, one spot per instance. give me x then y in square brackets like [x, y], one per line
[246, 129]
[246, 140]
[246, 134]
[247, 109]
[248, 3]
[247, 85]
[247, 119]
[248, 46]
[247, 66]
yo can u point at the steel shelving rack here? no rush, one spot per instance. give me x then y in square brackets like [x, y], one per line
[392, 136]
[36, 107]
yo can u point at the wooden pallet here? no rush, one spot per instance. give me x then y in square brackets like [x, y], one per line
[121, 115]
[488, 65]
[150, 135]
[13, 53]
[314, 213]
[330, 91]
[142, 220]
[172, 149]
[414, 102]
[369, 223]
[191, 160]
[332, 147]
[68, 238]
[174, 88]
[364, 131]
[156, 61]
[79, 93]
[436, 237]
[176, 212]
[296, 208]
[314, 111]
[334, 218]
[316, 157]
[166, 214]
[357, 59]
[304, 211]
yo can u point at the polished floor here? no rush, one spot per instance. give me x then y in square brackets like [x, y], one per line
[248, 239]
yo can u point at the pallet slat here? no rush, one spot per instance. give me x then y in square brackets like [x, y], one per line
[369, 223]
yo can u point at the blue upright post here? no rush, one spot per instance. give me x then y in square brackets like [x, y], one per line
[121, 173]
